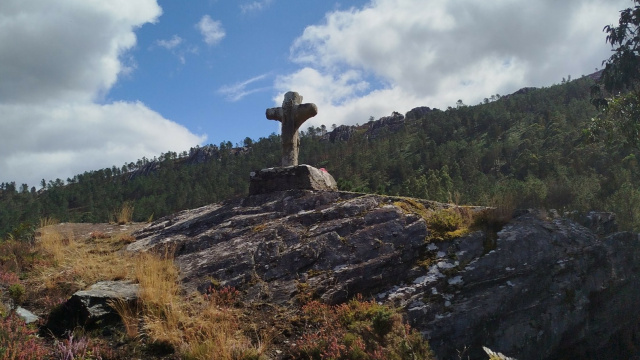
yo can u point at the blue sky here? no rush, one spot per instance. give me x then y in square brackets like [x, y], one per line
[90, 84]
[192, 82]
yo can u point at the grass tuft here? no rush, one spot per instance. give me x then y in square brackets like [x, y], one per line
[48, 221]
[68, 264]
[125, 214]
[129, 314]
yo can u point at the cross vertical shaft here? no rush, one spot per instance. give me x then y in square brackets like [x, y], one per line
[292, 115]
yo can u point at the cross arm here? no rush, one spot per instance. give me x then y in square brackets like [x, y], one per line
[305, 112]
[275, 114]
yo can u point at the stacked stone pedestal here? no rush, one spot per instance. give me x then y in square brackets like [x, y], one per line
[300, 177]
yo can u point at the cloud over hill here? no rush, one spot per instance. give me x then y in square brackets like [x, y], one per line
[397, 54]
[57, 62]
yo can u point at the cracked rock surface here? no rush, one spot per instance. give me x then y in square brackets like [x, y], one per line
[339, 243]
[540, 288]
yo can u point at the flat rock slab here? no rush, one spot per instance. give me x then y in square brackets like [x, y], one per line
[300, 177]
[89, 308]
[338, 243]
[95, 299]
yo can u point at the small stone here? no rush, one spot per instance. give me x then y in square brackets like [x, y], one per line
[26, 315]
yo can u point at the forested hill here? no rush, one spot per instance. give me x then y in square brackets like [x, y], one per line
[528, 149]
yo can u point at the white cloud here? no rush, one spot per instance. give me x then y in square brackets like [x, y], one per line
[338, 96]
[398, 54]
[59, 141]
[171, 43]
[255, 6]
[57, 61]
[93, 34]
[178, 47]
[211, 30]
[239, 90]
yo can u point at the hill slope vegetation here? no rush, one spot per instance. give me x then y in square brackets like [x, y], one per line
[528, 149]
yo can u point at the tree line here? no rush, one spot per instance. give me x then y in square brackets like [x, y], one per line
[529, 149]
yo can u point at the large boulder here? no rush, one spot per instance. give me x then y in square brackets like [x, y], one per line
[543, 289]
[338, 243]
[540, 288]
[90, 308]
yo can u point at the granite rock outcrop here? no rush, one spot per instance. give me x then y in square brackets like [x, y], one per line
[542, 287]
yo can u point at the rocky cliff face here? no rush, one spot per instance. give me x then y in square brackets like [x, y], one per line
[374, 128]
[340, 133]
[391, 123]
[418, 113]
[540, 288]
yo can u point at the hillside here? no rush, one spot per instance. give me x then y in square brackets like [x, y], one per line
[302, 274]
[364, 272]
[527, 149]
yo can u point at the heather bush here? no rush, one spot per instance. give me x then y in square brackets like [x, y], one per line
[225, 297]
[76, 349]
[19, 341]
[16, 256]
[8, 278]
[358, 330]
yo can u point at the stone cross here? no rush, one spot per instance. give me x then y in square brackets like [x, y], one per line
[292, 114]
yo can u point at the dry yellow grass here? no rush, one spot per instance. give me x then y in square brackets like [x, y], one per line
[125, 214]
[48, 221]
[159, 296]
[77, 263]
[51, 242]
[129, 313]
[197, 327]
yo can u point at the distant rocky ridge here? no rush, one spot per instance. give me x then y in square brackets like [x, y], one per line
[370, 130]
[203, 154]
[196, 155]
[543, 287]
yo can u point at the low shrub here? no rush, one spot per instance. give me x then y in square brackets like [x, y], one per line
[492, 220]
[8, 278]
[80, 348]
[443, 224]
[16, 256]
[19, 341]
[17, 293]
[24, 232]
[224, 297]
[358, 330]
[98, 235]
[447, 224]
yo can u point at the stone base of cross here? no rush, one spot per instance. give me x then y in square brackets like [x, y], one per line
[300, 177]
